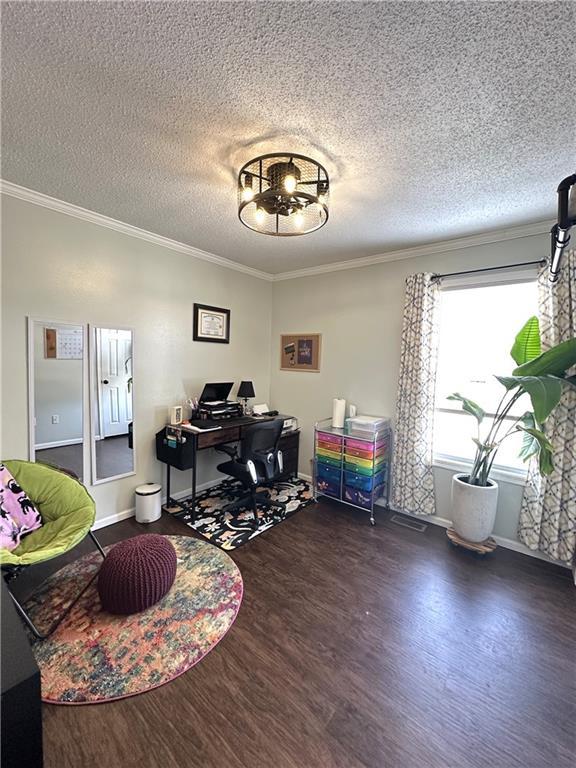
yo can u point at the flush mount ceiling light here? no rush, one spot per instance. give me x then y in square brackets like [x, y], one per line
[283, 194]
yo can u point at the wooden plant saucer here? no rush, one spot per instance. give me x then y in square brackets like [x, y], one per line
[481, 547]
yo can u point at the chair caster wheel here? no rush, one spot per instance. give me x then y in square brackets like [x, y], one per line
[372, 522]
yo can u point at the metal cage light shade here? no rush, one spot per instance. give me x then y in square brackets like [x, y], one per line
[283, 194]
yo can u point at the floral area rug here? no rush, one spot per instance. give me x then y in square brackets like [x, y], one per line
[94, 657]
[230, 530]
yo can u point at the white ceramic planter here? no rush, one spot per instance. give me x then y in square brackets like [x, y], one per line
[473, 508]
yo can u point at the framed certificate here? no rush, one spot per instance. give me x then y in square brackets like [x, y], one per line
[211, 324]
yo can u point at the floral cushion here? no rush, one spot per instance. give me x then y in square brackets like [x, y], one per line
[18, 515]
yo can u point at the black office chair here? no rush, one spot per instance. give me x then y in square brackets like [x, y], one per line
[259, 463]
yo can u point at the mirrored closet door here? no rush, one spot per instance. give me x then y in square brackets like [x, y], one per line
[57, 375]
[111, 366]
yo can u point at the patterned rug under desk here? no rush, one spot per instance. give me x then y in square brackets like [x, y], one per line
[231, 530]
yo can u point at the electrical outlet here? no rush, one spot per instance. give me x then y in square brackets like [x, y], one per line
[55, 419]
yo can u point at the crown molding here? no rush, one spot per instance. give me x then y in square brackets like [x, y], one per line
[38, 198]
[442, 246]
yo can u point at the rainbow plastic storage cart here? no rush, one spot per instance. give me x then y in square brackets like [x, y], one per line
[352, 464]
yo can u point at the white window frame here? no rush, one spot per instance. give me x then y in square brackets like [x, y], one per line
[461, 282]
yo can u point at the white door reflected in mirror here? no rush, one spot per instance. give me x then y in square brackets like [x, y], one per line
[112, 422]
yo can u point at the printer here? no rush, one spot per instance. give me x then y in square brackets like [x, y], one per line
[214, 404]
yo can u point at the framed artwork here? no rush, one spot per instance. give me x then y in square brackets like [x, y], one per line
[211, 324]
[300, 352]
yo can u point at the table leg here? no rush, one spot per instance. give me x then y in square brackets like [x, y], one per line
[194, 493]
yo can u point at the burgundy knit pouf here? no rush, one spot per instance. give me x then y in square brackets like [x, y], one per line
[136, 574]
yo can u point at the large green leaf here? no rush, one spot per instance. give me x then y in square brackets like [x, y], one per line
[542, 446]
[553, 362]
[527, 344]
[469, 406]
[545, 393]
[510, 382]
[530, 446]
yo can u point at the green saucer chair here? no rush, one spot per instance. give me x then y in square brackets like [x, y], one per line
[68, 513]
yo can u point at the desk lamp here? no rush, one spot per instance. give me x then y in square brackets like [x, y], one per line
[246, 390]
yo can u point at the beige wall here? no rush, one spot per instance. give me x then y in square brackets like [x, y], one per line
[57, 267]
[359, 314]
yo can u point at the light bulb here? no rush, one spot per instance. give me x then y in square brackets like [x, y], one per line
[298, 219]
[290, 183]
[260, 215]
[247, 194]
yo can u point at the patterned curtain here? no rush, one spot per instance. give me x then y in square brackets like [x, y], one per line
[412, 477]
[548, 514]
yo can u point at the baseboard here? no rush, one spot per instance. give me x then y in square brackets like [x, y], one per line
[502, 541]
[443, 522]
[116, 517]
[57, 444]
[104, 522]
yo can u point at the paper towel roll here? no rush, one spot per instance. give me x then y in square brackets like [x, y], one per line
[338, 412]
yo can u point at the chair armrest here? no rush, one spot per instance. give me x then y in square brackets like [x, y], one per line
[252, 470]
[271, 462]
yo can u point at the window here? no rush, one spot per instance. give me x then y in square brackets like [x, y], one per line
[478, 325]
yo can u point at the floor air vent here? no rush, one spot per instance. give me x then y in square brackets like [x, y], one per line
[409, 522]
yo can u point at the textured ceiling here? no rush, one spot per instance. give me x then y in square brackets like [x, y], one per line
[434, 119]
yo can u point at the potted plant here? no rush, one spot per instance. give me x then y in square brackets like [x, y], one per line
[540, 375]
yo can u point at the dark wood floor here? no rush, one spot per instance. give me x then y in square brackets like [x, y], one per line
[356, 647]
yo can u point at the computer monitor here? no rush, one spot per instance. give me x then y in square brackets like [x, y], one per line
[216, 391]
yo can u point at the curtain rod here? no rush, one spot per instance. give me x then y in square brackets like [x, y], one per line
[490, 269]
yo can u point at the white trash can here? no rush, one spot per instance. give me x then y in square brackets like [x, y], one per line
[148, 503]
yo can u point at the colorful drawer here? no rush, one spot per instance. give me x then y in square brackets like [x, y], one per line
[332, 447]
[368, 471]
[328, 487]
[363, 482]
[329, 462]
[328, 438]
[365, 463]
[360, 498]
[363, 445]
[359, 452]
[326, 472]
[322, 452]
[352, 445]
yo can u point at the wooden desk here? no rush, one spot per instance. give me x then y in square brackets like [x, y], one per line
[184, 455]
